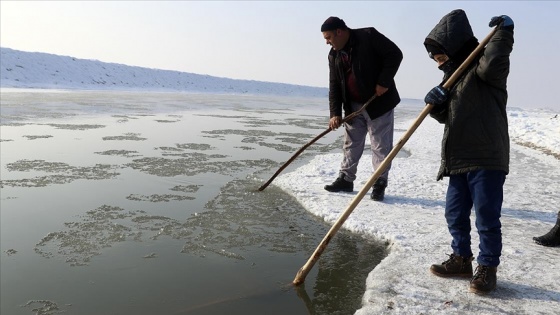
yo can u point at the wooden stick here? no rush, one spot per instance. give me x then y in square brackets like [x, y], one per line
[302, 273]
[322, 134]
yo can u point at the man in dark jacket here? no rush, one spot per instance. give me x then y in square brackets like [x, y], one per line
[362, 63]
[475, 146]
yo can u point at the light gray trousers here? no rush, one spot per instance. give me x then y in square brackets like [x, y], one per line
[380, 132]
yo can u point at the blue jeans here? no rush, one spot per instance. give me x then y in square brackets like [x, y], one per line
[482, 189]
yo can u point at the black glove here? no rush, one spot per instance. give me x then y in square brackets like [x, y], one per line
[437, 96]
[503, 22]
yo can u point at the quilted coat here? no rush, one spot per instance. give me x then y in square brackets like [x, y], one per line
[476, 128]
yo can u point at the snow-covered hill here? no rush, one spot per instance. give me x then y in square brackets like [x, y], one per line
[20, 69]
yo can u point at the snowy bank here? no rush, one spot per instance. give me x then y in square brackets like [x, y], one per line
[34, 70]
[411, 220]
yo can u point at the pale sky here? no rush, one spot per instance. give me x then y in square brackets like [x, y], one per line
[278, 41]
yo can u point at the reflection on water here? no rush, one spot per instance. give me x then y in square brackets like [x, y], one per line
[145, 203]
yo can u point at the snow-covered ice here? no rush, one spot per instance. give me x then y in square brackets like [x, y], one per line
[411, 220]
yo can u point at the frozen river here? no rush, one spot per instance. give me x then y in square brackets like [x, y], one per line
[147, 203]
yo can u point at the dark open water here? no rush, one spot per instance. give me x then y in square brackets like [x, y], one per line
[147, 203]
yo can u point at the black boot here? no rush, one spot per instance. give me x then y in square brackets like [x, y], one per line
[340, 184]
[378, 193]
[455, 266]
[484, 280]
[552, 238]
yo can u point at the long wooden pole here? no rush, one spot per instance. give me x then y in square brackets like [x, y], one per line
[302, 273]
[322, 134]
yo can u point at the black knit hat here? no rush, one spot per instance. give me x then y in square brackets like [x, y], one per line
[333, 23]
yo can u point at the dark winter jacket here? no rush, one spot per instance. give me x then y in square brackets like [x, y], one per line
[375, 60]
[476, 128]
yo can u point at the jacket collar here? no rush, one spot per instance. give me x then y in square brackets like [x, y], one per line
[352, 41]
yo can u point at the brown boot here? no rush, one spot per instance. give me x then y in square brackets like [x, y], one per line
[484, 280]
[455, 266]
